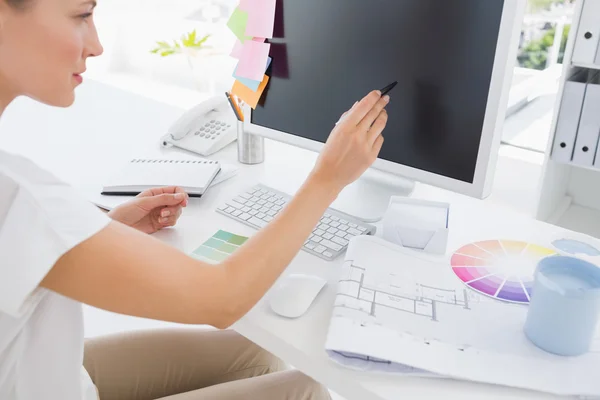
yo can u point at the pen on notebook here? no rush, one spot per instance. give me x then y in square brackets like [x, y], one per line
[234, 107]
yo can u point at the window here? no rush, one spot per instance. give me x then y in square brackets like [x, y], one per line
[542, 45]
[130, 29]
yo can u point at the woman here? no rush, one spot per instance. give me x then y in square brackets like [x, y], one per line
[58, 251]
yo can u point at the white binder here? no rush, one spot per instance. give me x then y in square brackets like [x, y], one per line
[568, 121]
[587, 42]
[589, 127]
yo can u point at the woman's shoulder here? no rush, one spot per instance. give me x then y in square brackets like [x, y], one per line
[24, 172]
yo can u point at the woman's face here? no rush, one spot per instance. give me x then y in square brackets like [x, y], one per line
[44, 47]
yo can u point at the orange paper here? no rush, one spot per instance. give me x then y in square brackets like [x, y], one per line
[248, 95]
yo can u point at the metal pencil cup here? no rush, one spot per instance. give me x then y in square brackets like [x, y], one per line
[251, 148]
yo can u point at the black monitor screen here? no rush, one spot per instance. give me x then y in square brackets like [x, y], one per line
[329, 53]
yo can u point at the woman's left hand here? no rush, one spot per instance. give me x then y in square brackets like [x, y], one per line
[152, 210]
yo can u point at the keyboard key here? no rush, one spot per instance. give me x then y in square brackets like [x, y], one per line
[332, 230]
[327, 254]
[319, 249]
[354, 231]
[335, 218]
[245, 216]
[334, 224]
[272, 213]
[327, 236]
[339, 240]
[264, 210]
[343, 227]
[310, 245]
[253, 212]
[229, 210]
[316, 239]
[319, 232]
[255, 199]
[349, 236]
[331, 245]
[268, 218]
[246, 209]
[362, 229]
[277, 208]
[273, 199]
[340, 234]
[265, 196]
[343, 222]
[280, 202]
[250, 203]
[327, 215]
[236, 205]
[323, 226]
[256, 207]
[352, 225]
[325, 220]
[236, 213]
[269, 204]
[257, 222]
[223, 207]
[241, 200]
[261, 215]
[261, 202]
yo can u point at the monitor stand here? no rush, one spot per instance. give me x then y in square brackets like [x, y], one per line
[368, 198]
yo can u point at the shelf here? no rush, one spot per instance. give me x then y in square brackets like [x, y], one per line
[588, 66]
[581, 219]
[571, 164]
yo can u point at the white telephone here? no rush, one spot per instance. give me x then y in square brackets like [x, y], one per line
[204, 129]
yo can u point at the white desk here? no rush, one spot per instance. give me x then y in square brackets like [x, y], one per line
[108, 126]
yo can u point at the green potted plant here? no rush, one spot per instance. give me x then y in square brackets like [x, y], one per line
[196, 50]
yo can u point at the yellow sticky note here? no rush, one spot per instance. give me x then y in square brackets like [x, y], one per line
[248, 95]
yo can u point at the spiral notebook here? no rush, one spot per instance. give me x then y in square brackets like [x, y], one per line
[193, 176]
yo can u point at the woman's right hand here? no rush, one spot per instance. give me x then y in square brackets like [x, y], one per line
[354, 143]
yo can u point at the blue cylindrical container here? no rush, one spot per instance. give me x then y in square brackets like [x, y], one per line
[564, 307]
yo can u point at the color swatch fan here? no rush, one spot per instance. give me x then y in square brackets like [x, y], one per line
[218, 247]
[502, 269]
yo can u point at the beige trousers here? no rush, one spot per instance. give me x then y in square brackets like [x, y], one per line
[191, 365]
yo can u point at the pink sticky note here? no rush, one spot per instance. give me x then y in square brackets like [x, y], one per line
[261, 18]
[259, 39]
[236, 52]
[253, 60]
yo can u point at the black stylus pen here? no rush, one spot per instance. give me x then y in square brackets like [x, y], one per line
[388, 88]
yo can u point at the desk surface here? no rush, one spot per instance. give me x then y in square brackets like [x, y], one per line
[107, 127]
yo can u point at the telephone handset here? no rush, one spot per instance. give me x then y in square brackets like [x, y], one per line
[204, 129]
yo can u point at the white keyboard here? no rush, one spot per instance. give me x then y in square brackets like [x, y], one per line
[259, 205]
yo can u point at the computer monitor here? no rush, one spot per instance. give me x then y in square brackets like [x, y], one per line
[453, 60]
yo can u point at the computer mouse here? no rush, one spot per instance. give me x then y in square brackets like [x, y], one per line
[292, 295]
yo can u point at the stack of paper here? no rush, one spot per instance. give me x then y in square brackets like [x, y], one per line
[252, 23]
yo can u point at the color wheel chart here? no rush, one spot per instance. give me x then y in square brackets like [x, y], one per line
[502, 269]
